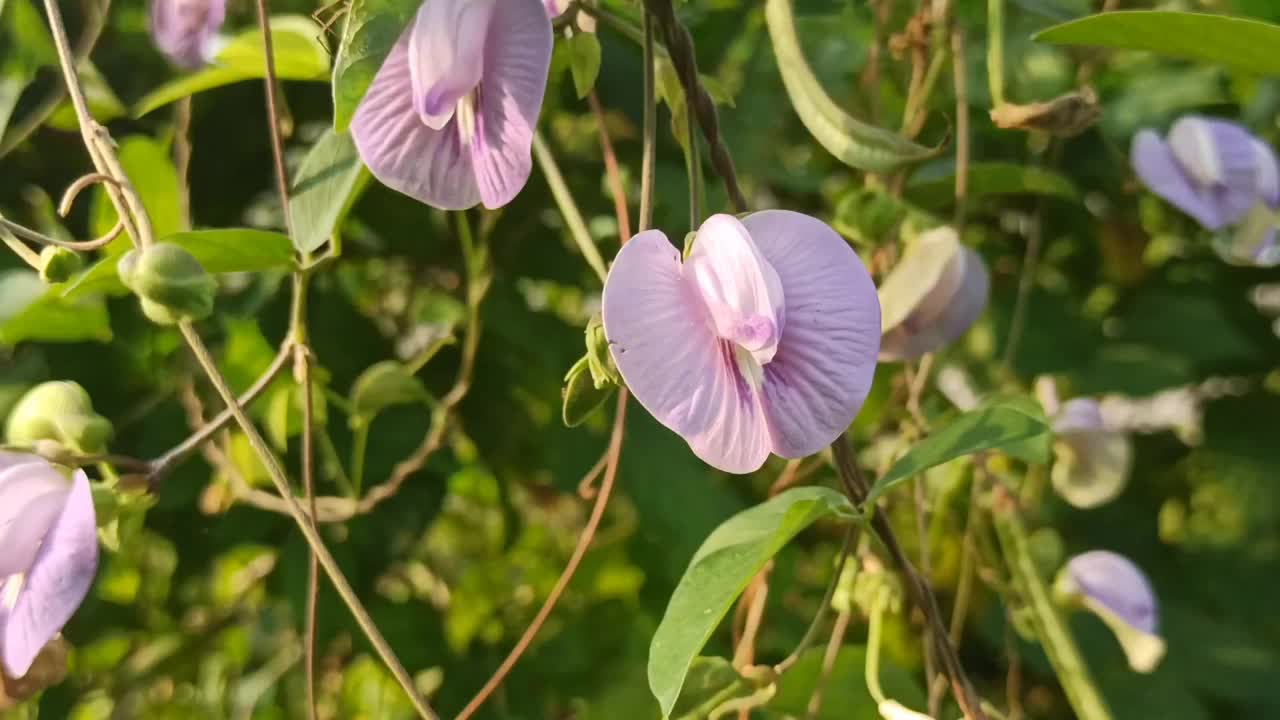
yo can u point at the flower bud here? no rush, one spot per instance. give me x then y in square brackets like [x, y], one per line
[170, 282]
[1113, 588]
[58, 264]
[604, 373]
[62, 412]
[582, 395]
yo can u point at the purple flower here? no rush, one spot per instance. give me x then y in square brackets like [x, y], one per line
[1218, 173]
[932, 296]
[1113, 588]
[49, 534]
[763, 340]
[449, 119]
[185, 30]
[1093, 461]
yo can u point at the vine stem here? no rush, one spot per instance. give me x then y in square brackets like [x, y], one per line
[995, 51]
[917, 586]
[579, 551]
[304, 523]
[568, 207]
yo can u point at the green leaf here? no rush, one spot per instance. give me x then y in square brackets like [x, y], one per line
[147, 164]
[299, 55]
[581, 397]
[1237, 43]
[855, 143]
[31, 310]
[326, 186]
[372, 28]
[26, 48]
[934, 186]
[1005, 424]
[719, 572]
[584, 61]
[710, 682]
[219, 251]
[383, 385]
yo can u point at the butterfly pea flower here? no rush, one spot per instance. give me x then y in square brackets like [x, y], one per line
[584, 20]
[763, 340]
[1113, 588]
[48, 531]
[449, 118]
[932, 296]
[186, 31]
[1221, 175]
[1092, 461]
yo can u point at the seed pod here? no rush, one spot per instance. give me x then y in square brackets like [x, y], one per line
[59, 411]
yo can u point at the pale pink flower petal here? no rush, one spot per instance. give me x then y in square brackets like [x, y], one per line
[663, 342]
[826, 358]
[56, 583]
[32, 494]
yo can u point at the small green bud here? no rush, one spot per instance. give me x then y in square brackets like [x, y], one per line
[62, 412]
[58, 264]
[604, 373]
[170, 281]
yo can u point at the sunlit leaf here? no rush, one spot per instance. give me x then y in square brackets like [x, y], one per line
[719, 572]
[299, 55]
[382, 386]
[26, 48]
[369, 32]
[31, 310]
[1006, 424]
[324, 189]
[219, 251]
[1238, 43]
[584, 61]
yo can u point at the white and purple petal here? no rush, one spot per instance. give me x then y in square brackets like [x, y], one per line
[447, 40]
[666, 349]
[1113, 588]
[933, 296]
[56, 583]
[1092, 462]
[826, 358]
[1154, 162]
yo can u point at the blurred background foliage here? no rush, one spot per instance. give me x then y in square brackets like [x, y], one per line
[197, 613]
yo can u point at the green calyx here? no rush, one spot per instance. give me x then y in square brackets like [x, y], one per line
[170, 283]
[58, 264]
[62, 412]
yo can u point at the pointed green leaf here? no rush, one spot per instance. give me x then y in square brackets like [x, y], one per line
[855, 143]
[326, 186]
[299, 55]
[1237, 43]
[584, 61]
[719, 572]
[383, 385]
[1010, 424]
[32, 310]
[219, 251]
[371, 29]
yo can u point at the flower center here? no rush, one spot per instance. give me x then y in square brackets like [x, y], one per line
[465, 114]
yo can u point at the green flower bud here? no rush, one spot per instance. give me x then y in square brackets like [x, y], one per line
[604, 374]
[62, 412]
[58, 264]
[170, 282]
[582, 396]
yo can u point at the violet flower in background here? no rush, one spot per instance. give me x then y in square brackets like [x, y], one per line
[449, 119]
[933, 295]
[1221, 175]
[1114, 589]
[763, 340]
[1092, 462]
[186, 31]
[49, 533]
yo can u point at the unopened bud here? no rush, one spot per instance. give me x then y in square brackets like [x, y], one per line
[582, 396]
[170, 282]
[58, 264]
[604, 374]
[59, 411]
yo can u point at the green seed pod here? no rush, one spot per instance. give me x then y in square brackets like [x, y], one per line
[59, 411]
[170, 281]
[58, 264]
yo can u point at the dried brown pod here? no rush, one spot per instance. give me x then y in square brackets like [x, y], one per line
[1063, 116]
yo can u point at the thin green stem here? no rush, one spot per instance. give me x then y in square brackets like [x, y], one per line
[650, 129]
[359, 446]
[995, 50]
[309, 532]
[1056, 639]
[693, 165]
[875, 628]
[302, 371]
[820, 617]
[568, 207]
[19, 248]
